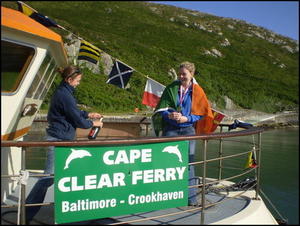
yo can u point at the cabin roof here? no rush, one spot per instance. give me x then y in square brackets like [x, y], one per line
[17, 20]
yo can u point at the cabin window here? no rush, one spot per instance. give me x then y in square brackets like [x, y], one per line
[50, 79]
[15, 59]
[43, 79]
[47, 81]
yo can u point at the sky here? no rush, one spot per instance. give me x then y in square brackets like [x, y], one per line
[281, 17]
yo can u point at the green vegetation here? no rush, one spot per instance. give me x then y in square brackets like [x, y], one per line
[9, 81]
[254, 72]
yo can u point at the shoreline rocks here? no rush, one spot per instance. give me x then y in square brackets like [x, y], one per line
[259, 119]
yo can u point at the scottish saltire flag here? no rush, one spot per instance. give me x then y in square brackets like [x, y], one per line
[120, 74]
[44, 20]
[152, 93]
[89, 52]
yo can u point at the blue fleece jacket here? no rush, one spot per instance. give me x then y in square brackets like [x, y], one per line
[64, 116]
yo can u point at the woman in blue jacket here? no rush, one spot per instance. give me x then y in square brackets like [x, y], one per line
[63, 118]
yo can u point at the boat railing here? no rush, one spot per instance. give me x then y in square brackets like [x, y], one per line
[204, 183]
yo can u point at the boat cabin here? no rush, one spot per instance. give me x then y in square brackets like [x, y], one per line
[30, 54]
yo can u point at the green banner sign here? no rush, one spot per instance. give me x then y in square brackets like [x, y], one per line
[99, 182]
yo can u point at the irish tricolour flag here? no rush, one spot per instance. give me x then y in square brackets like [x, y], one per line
[152, 93]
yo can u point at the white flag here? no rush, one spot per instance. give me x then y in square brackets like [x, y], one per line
[152, 93]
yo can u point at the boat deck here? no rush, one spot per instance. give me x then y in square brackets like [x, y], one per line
[193, 216]
[188, 214]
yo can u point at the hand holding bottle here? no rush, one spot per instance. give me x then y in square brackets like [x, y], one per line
[97, 125]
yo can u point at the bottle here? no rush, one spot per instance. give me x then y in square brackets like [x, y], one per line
[94, 131]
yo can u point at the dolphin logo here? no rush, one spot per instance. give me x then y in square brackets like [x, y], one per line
[75, 154]
[173, 150]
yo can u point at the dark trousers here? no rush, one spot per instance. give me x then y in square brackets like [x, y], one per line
[181, 131]
[39, 190]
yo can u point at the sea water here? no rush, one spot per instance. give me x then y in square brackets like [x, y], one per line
[279, 176]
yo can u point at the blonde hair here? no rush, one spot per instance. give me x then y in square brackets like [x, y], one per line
[189, 66]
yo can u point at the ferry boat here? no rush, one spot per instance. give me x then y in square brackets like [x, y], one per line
[30, 53]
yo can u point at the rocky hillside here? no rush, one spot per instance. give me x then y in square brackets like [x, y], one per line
[239, 65]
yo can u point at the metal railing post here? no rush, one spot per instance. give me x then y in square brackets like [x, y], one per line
[203, 182]
[220, 155]
[147, 130]
[23, 190]
[258, 154]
